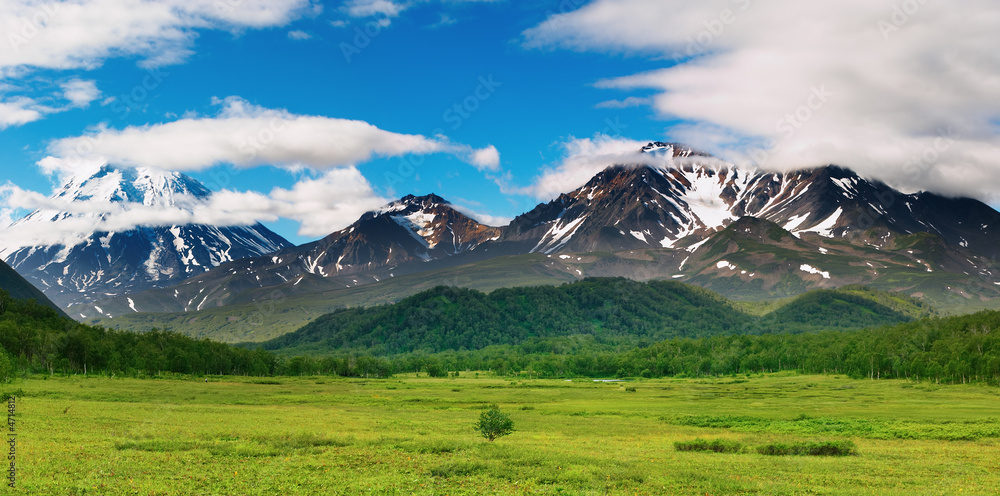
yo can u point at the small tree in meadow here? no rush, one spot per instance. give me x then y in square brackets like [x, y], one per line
[493, 423]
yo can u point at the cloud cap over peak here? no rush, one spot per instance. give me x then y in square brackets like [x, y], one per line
[908, 92]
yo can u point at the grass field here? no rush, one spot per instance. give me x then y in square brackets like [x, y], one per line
[410, 435]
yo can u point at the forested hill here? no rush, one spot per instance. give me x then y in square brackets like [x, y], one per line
[36, 338]
[612, 310]
[19, 288]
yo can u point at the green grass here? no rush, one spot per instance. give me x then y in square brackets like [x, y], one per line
[322, 435]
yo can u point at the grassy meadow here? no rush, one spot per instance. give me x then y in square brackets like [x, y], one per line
[415, 435]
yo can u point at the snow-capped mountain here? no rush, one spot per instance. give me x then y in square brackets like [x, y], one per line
[109, 262]
[687, 197]
[678, 214]
[406, 236]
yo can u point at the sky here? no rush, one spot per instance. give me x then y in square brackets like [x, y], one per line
[304, 114]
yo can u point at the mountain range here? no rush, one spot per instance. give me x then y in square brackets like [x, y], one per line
[676, 214]
[109, 263]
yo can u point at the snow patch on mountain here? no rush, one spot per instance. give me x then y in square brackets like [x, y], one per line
[813, 270]
[723, 264]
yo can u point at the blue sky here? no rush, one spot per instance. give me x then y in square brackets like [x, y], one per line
[555, 90]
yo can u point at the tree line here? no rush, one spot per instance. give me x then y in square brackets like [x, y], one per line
[618, 309]
[945, 350]
[35, 338]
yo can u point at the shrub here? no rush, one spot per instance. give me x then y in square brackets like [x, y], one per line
[493, 423]
[715, 445]
[823, 448]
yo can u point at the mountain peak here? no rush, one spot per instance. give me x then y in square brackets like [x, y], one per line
[74, 266]
[430, 199]
[670, 149]
[143, 185]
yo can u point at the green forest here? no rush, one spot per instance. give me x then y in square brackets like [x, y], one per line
[945, 350]
[613, 310]
[36, 338]
[593, 328]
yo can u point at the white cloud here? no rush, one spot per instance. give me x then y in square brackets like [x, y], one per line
[372, 8]
[632, 101]
[483, 218]
[908, 92]
[328, 203]
[82, 34]
[299, 35]
[485, 158]
[80, 93]
[389, 9]
[582, 159]
[17, 111]
[70, 34]
[246, 135]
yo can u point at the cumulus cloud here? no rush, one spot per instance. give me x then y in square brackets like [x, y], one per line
[328, 203]
[247, 135]
[71, 34]
[299, 35]
[485, 158]
[80, 93]
[907, 92]
[17, 111]
[82, 34]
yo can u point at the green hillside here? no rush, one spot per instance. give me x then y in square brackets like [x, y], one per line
[19, 288]
[850, 308]
[279, 311]
[614, 312]
[36, 338]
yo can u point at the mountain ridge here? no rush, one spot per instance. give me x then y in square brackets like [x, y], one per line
[663, 217]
